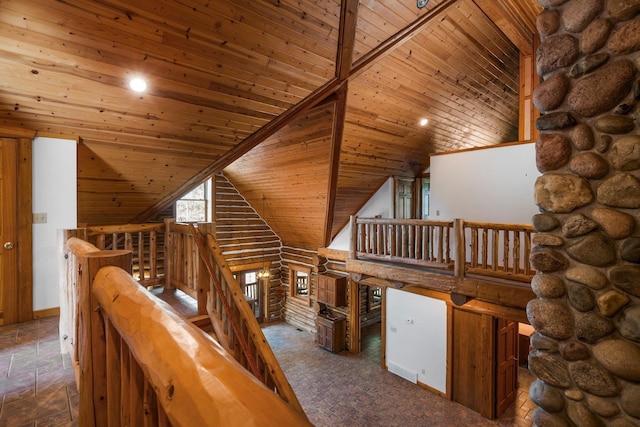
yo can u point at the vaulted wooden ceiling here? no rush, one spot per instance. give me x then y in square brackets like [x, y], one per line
[308, 107]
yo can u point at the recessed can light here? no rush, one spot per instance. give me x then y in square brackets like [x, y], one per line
[137, 84]
[424, 122]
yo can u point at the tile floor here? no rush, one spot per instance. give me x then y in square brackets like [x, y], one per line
[37, 385]
[352, 390]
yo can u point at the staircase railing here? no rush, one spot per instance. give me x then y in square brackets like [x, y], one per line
[234, 322]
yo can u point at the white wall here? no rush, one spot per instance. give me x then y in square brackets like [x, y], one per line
[381, 203]
[416, 336]
[488, 185]
[54, 194]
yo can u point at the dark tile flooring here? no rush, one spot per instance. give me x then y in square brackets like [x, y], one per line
[353, 390]
[37, 385]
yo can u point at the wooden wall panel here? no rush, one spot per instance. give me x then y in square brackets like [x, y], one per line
[291, 171]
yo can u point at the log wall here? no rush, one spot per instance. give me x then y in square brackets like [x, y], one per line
[246, 239]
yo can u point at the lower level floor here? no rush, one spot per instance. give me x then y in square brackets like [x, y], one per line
[353, 390]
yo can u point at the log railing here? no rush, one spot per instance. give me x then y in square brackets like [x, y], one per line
[146, 243]
[152, 368]
[163, 254]
[234, 322]
[498, 250]
[137, 362]
[405, 241]
[466, 248]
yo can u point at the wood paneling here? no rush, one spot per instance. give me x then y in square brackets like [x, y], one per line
[228, 76]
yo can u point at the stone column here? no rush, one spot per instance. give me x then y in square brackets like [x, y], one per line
[587, 256]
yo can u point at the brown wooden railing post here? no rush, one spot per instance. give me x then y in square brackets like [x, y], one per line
[168, 254]
[67, 294]
[204, 280]
[459, 238]
[354, 237]
[91, 336]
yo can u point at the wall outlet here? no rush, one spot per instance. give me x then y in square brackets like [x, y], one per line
[39, 218]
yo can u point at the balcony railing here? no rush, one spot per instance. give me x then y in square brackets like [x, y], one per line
[458, 246]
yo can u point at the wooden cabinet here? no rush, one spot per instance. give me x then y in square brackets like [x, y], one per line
[332, 289]
[330, 332]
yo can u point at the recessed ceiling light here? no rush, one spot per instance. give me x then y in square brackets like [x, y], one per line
[137, 84]
[424, 122]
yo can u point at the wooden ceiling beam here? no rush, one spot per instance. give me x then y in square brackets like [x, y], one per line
[510, 23]
[347, 38]
[334, 161]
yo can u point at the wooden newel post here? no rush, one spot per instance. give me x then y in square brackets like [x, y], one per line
[204, 280]
[91, 336]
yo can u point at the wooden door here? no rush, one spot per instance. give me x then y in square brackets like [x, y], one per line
[8, 231]
[404, 198]
[506, 364]
[473, 373]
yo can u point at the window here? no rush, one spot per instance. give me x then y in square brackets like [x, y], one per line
[426, 188]
[195, 206]
[300, 282]
[250, 285]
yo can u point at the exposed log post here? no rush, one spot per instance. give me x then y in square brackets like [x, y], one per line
[91, 334]
[354, 237]
[67, 291]
[354, 316]
[459, 263]
[204, 281]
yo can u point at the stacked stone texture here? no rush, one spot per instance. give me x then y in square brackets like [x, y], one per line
[586, 348]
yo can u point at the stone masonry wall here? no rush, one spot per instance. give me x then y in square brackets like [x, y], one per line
[587, 315]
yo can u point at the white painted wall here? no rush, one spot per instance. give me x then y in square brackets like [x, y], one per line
[381, 203]
[488, 185]
[54, 194]
[416, 336]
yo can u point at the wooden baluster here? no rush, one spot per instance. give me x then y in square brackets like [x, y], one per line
[113, 368]
[100, 242]
[516, 252]
[505, 249]
[125, 380]
[485, 248]
[495, 245]
[153, 255]
[440, 244]
[141, 256]
[392, 240]
[475, 245]
[527, 252]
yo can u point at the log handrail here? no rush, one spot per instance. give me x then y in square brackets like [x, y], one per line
[217, 287]
[228, 306]
[161, 370]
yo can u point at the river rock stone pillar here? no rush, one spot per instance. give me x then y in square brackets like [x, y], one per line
[586, 345]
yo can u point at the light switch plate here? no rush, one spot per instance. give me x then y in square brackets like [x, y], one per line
[39, 218]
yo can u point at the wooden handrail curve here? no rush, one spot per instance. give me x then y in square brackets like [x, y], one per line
[172, 373]
[229, 307]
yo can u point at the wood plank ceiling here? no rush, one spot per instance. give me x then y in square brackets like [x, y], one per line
[297, 104]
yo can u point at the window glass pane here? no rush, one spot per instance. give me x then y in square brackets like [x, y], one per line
[190, 211]
[197, 193]
[250, 277]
